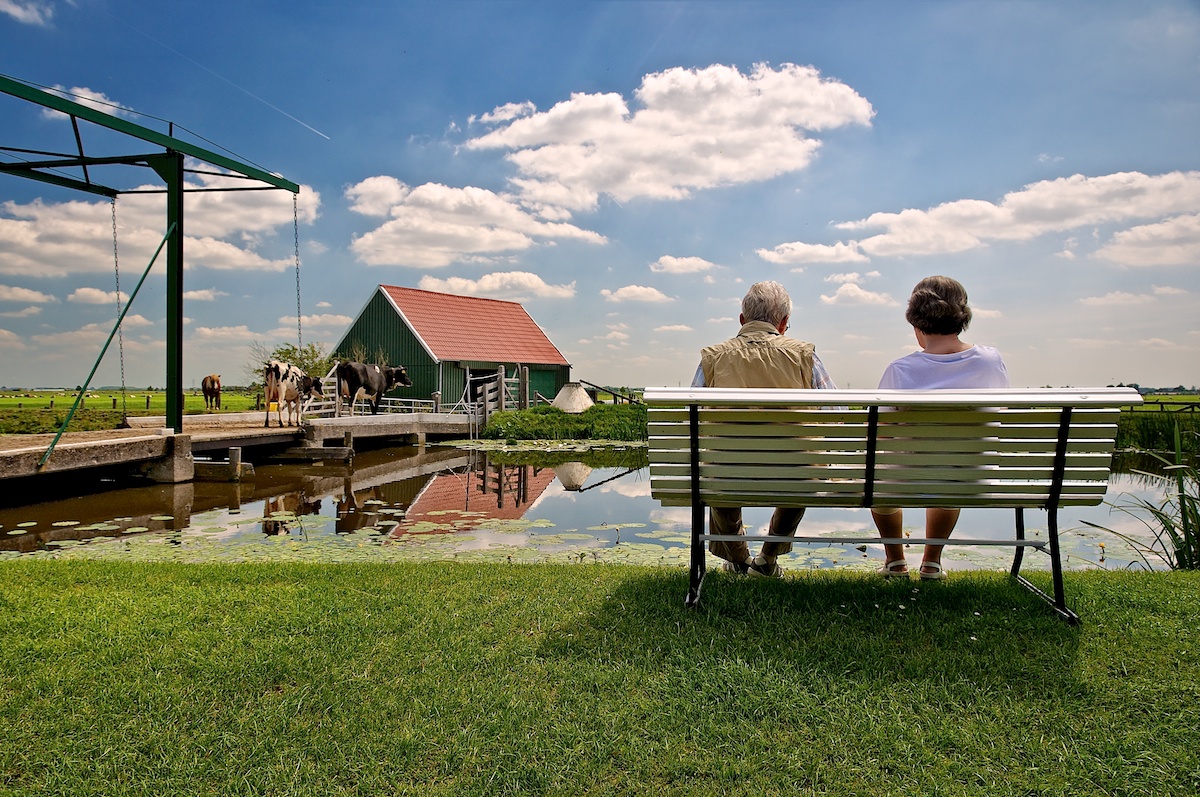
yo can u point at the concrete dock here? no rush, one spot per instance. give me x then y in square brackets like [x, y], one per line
[148, 449]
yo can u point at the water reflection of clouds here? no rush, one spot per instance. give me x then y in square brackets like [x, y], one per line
[554, 492]
[672, 516]
[628, 488]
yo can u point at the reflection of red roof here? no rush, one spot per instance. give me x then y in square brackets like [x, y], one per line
[461, 491]
[471, 328]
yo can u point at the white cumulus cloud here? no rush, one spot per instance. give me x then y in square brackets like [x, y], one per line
[31, 12]
[9, 293]
[1173, 242]
[500, 284]
[204, 295]
[635, 293]
[681, 265]
[435, 225]
[224, 230]
[319, 320]
[96, 100]
[852, 293]
[852, 276]
[689, 130]
[235, 334]
[798, 252]
[376, 196]
[1118, 299]
[26, 312]
[91, 336]
[96, 296]
[1058, 205]
[505, 113]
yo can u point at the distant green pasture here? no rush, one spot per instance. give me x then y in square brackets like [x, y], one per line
[134, 400]
[39, 412]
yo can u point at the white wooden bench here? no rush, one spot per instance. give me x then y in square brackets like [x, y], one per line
[1031, 448]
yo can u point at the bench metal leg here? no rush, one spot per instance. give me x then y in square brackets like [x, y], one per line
[1019, 553]
[1059, 600]
[696, 565]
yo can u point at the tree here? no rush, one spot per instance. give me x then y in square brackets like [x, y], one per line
[311, 358]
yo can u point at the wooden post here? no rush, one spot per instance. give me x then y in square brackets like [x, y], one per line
[437, 400]
[501, 390]
[235, 464]
[523, 388]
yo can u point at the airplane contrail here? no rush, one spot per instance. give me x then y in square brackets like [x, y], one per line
[222, 77]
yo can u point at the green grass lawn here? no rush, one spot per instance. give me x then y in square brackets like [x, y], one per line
[453, 679]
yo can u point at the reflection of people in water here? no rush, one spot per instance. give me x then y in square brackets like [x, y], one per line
[294, 505]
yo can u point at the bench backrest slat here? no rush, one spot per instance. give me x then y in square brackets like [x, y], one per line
[933, 448]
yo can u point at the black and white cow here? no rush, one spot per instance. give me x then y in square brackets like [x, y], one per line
[370, 381]
[287, 384]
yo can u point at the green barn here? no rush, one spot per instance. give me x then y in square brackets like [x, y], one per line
[443, 340]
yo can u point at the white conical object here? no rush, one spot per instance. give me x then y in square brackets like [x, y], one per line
[572, 398]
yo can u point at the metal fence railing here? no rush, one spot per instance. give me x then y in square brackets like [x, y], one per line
[482, 395]
[329, 407]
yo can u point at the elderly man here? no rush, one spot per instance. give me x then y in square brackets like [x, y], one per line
[759, 356]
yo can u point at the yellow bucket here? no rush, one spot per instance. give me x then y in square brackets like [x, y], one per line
[273, 407]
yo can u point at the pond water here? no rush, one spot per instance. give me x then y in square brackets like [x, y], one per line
[445, 503]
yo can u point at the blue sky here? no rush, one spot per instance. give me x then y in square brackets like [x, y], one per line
[626, 170]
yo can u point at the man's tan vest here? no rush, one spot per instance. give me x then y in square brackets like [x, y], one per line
[758, 357]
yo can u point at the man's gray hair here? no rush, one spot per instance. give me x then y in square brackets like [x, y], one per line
[766, 301]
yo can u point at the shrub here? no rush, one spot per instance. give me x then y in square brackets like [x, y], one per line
[1174, 522]
[600, 422]
[1152, 430]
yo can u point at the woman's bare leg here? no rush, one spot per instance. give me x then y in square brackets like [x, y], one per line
[939, 524]
[891, 526]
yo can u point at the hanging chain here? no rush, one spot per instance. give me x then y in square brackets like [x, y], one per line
[120, 335]
[296, 239]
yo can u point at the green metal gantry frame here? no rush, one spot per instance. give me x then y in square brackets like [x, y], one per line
[168, 164]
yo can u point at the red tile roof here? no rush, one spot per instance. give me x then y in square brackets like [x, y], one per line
[471, 328]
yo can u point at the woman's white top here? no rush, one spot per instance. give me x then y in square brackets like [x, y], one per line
[978, 366]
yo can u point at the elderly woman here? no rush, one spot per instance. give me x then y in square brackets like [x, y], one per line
[938, 312]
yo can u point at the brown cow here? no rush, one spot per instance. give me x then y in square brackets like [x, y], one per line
[211, 386]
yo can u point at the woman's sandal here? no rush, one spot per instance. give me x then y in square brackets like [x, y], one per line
[890, 570]
[936, 573]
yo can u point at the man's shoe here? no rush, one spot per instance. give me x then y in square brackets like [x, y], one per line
[736, 568]
[761, 568]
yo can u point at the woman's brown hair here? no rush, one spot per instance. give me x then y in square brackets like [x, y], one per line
[938, 306]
